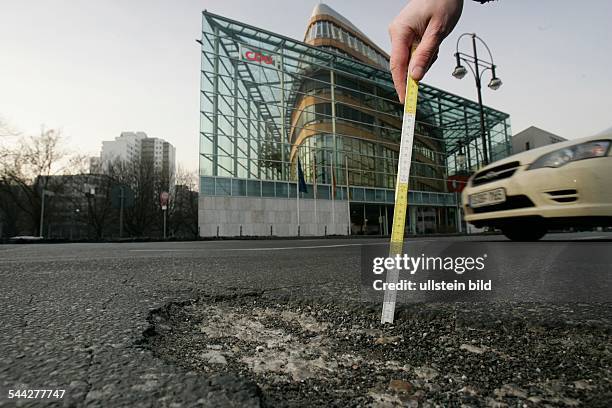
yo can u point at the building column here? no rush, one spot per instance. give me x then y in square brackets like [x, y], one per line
[508, 143]
[258, 142]
[332, 81]
[235, 120]
[283, 138]
[215, 124]
[413, 217]
[248, 134]
[490, 146]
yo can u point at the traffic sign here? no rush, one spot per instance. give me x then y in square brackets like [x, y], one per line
[164, 197]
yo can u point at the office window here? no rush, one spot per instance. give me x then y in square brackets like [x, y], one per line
[335, 32]
[267, 189]
[254, 188]
[223, 187]
[325, 29]
[238, 187]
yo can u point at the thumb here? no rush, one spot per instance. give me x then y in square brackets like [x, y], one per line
[426, 51]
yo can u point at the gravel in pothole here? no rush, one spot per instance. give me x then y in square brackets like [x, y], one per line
[302, 354]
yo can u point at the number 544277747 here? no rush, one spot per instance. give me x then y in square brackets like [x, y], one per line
[36, 394]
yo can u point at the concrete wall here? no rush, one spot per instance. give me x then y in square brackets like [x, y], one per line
[536, 137]
[256, 215]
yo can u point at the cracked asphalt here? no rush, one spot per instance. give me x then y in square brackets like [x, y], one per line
[134, 325]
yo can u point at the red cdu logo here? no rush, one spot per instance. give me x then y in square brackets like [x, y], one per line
[257, 56]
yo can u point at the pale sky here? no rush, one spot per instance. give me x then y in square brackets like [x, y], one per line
[96, 68]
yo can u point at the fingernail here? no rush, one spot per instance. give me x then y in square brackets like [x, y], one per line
[417, 72]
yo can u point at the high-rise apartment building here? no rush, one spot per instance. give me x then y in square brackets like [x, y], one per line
[161, 154]
[125, 147]
[131, 146]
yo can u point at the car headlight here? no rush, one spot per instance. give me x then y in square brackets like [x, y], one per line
[558, 158]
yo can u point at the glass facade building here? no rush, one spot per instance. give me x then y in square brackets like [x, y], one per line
[267, 99]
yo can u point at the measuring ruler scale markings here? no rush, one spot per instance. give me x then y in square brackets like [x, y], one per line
[401, 195]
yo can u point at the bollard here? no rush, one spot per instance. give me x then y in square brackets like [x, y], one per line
[298, 230]
[326, 230]
[270, 230]
[241, 230]
[217, 231]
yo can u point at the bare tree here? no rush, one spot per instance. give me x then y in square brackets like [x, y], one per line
[9, 214]
[93, 194]
[77, 164]
[25, 171]
[143, 215]
[6, 133]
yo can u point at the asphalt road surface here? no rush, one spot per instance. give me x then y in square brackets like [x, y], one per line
[283, 323]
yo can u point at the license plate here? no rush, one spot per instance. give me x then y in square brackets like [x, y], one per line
[489, 197]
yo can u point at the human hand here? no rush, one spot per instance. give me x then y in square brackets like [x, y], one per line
[428, 20]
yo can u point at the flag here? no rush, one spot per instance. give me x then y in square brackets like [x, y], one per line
[302, 188]
[314, 175]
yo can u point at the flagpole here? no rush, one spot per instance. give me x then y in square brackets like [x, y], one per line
[314, 185]
[333, 193]
[348, 195]
[297, 190]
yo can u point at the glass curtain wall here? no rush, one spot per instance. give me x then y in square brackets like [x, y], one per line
[267, 100]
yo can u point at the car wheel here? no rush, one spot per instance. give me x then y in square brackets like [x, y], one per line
[524, 231]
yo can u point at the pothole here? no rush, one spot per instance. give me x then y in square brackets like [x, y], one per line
[324, 354]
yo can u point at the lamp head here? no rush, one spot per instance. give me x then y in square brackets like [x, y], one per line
[459, 72]
[495, 83]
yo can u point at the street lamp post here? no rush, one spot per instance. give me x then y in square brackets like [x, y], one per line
[480, 66]
[42, 209]
[74, 224]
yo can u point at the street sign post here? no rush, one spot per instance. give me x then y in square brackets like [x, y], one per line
[164, 197]
[121, 197]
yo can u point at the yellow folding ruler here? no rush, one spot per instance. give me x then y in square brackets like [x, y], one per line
[401, 194]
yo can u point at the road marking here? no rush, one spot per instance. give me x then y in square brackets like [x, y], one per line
[271, 248]
[316, 246]
[259, 249]
[164, 250]
[596, 237]
[301, 247]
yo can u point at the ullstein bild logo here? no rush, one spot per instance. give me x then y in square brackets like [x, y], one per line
[256, 56]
